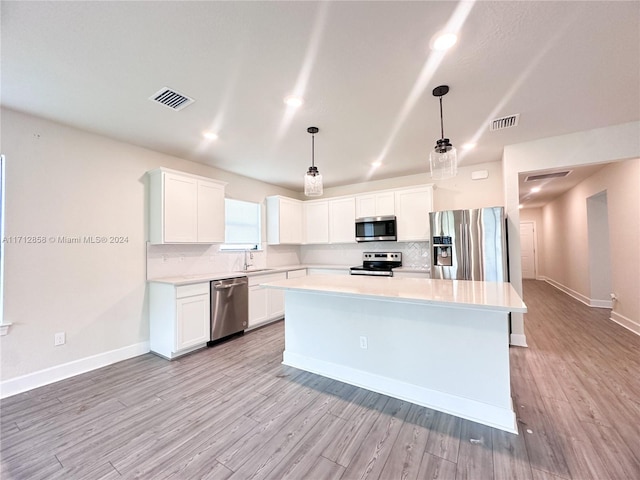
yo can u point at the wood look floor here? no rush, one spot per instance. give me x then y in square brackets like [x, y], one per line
[234, 412]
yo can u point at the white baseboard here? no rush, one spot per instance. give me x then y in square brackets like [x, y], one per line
[589, 302]
[626, 322]
[518, 340]
[491, 415]
[600, 303]
[572, 293]
[40, 378]
[616, 317]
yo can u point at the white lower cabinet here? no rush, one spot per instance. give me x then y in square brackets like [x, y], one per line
[297, 273]
[257, 305]
[265, 304]
[179, 318]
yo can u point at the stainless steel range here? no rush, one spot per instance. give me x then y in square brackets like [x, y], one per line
[378, 263]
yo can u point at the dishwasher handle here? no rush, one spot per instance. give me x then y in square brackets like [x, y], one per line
[220, 286]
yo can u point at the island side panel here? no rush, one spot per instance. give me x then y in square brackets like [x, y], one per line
[454, 360]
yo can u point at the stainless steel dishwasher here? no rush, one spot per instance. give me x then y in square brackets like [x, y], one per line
[229, 307]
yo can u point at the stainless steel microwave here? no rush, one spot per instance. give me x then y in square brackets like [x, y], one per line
[376, 229]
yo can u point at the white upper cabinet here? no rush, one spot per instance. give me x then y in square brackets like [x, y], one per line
[284, 221]
[180, 202]
[412, 213]
[185, 208]
[313, 222]
[210, 212]
[342, 216]
[375, 204]
[316, 222]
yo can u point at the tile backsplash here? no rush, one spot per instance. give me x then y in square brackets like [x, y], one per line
[414, 254]
[191, 259]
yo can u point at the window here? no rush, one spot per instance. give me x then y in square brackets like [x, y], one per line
[242, 225]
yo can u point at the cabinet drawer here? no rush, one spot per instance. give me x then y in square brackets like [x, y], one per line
[191, 290]
[297, 273]
[270, 277]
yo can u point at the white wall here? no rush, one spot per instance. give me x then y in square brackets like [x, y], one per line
[568, 263]
[603, 145]
[61, 181]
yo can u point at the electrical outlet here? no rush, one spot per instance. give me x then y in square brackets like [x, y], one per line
[165, 258]
[59, 339]
[364, 344]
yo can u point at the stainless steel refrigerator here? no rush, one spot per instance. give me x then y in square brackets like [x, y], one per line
[469, 245]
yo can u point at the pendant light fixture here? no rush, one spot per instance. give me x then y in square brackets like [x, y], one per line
[313, 178]
[444, 158]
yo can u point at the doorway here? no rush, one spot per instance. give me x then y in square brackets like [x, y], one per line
[528, 249]
[599, 250]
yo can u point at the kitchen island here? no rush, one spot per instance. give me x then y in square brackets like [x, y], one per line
[443, 344]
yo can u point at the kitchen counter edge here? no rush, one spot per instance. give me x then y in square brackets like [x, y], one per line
[179, 280]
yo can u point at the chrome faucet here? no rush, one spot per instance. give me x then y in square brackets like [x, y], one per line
[247, 265]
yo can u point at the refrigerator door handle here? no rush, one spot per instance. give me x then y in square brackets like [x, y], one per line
[462, 257]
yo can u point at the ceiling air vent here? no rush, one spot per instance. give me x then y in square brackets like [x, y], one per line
[171, 99]
[504, 122]
[545, 176]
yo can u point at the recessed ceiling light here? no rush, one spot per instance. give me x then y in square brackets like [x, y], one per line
[468, 146]
[443, 41]
[376, 164]
[293, 101]
[535, 189]
[210, 135]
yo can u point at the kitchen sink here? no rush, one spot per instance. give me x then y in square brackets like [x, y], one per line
[252, 270]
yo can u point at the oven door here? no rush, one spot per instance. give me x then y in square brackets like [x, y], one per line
[376, 229]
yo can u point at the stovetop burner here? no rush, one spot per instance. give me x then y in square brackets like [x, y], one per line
[378, 263]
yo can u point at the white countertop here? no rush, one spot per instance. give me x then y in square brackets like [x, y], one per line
[446, 293]
[207, 277]
[413, 269]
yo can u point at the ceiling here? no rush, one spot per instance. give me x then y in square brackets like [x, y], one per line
[551, 188]
[365, 70]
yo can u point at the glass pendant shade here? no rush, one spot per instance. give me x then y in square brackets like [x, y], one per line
[443, 160]
[313, 183]
[313, 179]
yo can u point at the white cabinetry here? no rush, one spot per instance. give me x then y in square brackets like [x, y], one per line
[179, 318]
[210, 212]
[265, 304]
[297, 273]
[185, 208]
[375, 204]
[284, 220]
[342, 216]
[412, 213]
[316, 222]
